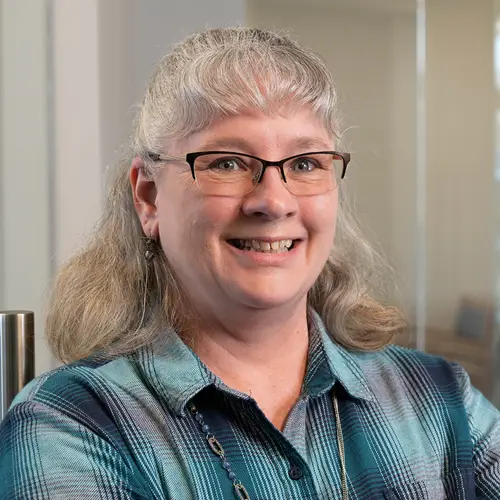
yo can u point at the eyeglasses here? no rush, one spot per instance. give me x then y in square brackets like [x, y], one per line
[226, 173]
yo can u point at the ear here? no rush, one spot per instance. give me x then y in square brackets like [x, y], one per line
[144, 193]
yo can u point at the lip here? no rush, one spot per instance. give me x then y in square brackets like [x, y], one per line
[269, 240]
[267, 259]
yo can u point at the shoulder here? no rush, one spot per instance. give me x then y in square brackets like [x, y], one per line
[81, 391]
[82, 402]
[88, 374]
[403, 361]
[414, 375]
[78, 412]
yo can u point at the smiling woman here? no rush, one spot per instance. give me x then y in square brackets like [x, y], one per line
[221, 330]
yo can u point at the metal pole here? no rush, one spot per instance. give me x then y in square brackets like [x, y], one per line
[17, 354]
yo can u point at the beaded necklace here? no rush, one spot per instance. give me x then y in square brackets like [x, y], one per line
[240, 490]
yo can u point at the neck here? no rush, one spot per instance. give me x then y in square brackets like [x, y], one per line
[262, 353]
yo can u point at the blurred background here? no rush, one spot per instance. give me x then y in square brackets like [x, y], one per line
[419, 85]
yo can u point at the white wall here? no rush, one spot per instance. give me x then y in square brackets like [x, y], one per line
[461, 203]
[402, 156]
[77, 48]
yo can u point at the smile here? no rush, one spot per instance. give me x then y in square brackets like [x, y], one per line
[277, 246]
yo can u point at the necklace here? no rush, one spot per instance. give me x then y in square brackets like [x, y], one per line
[240, 490]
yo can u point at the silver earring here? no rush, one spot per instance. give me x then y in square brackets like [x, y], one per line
[149, 254]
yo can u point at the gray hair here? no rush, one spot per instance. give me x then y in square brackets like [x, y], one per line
[108, 300]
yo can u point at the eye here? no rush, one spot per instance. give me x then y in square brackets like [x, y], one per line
[305, 165]
[227, 164]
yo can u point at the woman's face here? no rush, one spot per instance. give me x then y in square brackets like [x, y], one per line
[195, 229]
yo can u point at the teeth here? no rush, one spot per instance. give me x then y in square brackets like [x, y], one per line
[265, 246]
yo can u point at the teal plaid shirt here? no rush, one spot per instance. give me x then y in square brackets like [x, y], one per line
[413, 427]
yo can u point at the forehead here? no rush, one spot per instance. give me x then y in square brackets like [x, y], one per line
[256, 132]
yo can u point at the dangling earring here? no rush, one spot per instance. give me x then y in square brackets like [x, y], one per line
[149, 253]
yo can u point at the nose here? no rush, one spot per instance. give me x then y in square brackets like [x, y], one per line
[270, 200]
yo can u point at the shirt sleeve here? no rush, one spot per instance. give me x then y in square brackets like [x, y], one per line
[484, 424]
[46, 454]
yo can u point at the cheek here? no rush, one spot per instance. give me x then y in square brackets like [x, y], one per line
[192, 221]
[320, 215]
[211, 220]
[176, 206]
[220, 212]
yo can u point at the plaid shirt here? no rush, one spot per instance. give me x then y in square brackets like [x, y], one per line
[413, 428]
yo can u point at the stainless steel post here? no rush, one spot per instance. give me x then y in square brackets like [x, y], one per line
[17, 354]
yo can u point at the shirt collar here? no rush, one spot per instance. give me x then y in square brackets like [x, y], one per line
[329, 363]
[177, 374]
[174, 371]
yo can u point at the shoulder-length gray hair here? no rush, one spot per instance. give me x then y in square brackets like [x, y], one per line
[109, 300]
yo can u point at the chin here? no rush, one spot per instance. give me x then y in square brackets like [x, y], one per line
[265, 297]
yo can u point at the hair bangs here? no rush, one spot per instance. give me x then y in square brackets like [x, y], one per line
[238, 81]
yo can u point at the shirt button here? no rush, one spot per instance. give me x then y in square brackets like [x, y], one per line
[295, 472]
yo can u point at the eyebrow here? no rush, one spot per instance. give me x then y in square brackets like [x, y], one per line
[309, 143]
[227, 143]
[293, 144]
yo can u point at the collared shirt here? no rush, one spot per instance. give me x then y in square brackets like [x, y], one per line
[413, 429]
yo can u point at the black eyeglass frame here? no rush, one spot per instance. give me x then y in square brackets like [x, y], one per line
[191, 158]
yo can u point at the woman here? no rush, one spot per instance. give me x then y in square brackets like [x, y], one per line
[222, 336]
